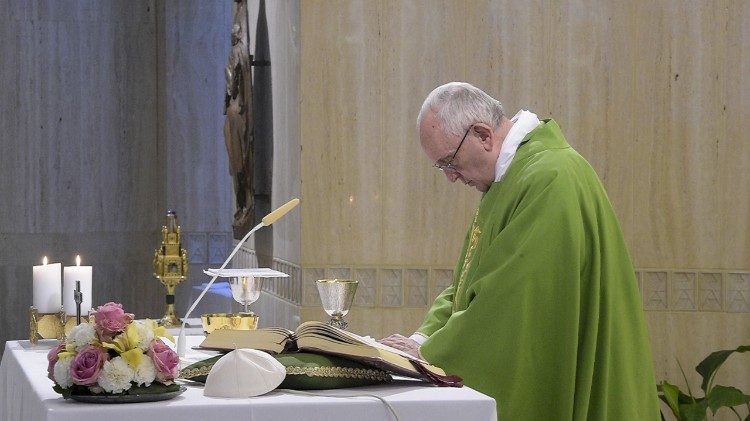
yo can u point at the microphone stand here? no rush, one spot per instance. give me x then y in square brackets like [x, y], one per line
[267, 220]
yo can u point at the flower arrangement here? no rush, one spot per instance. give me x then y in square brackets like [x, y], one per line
[115, 355]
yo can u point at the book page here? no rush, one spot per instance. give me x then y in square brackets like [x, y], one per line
[271, 339]
[372, 342]
[320, 328]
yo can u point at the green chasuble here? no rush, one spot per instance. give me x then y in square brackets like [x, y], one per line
[544, 313]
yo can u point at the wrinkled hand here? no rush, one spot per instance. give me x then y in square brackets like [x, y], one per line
[402, 343]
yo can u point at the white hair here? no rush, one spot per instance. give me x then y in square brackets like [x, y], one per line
[457, 105]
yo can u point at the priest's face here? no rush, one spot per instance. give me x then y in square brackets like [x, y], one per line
[463, 158]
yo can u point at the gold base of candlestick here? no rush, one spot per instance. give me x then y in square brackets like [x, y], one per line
[45, 325]
[70, 322]
[170, 318]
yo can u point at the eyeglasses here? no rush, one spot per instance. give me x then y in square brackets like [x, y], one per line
[449, 166]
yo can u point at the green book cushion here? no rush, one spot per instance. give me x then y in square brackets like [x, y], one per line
[307, 371]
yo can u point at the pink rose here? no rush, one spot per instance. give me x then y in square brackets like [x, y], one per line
[52, 359]
[165, 360]
[85, 368]
[111, 319]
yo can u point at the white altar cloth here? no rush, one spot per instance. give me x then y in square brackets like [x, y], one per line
[26, 394]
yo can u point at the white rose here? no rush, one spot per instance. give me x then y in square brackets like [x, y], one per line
[81, 336]
[145, 333]
[62, 372]
[116, 376]
[145, 373]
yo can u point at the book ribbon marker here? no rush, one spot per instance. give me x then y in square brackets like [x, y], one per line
[436, 379]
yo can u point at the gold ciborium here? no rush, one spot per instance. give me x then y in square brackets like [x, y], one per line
[245, 285]
[170, 265]
[231, 321]
[337, 296]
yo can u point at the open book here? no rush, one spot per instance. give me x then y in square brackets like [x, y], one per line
[317, 337]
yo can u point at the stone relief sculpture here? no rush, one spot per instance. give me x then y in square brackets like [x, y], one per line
[238, 125]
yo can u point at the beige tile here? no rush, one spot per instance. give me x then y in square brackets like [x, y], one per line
[710, 291]
[367, 290]
[391, 283]
[416, 291]
[683, 291]
[655, 293]
[738, 292]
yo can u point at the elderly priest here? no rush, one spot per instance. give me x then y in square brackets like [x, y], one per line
[544, 313]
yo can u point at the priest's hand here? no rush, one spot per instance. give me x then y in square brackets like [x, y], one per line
[410, 346]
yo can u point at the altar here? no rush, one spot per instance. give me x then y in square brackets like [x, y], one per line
[26, 394]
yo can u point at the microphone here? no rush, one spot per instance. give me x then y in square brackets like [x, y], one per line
[266, 221]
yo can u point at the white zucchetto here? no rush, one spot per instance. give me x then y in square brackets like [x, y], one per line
[244, 373]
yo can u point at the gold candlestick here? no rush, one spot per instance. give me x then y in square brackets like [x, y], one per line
[45, 325]
[170, 266]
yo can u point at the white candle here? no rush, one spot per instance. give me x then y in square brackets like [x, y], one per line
[47, 287]
[71, 274]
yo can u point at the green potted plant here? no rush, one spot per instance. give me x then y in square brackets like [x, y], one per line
[687, 407]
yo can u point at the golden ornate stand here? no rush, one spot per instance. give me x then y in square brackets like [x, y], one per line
[45, 325]
[170, 266]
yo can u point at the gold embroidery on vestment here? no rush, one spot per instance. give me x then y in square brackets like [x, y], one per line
[473, 241]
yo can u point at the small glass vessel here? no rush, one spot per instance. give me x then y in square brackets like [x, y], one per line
[245, 289]
[337, 296]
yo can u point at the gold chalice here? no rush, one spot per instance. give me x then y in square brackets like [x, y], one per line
[337, 296]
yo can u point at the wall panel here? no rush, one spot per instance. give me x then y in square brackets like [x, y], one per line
[653, 94]
[342, 131]
[109, 113]
[414, 196]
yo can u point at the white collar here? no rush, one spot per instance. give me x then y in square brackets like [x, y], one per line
[523, 123]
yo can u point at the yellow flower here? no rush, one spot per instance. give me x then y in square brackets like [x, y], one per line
[159, 331]
[70, 351]
[126, 344]
[133, 357]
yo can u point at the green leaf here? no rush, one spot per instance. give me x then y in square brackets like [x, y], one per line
[155, 387]
[687, 383]
[721, 396]
[670, 395]
[693, 411]
[708, 367]
[64, 392]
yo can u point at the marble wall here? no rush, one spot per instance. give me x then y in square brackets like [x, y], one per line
[653, 94]
[274, 29]
[283, 40]
[110, 113]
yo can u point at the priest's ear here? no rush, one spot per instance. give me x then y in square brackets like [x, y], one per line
[484, 132]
